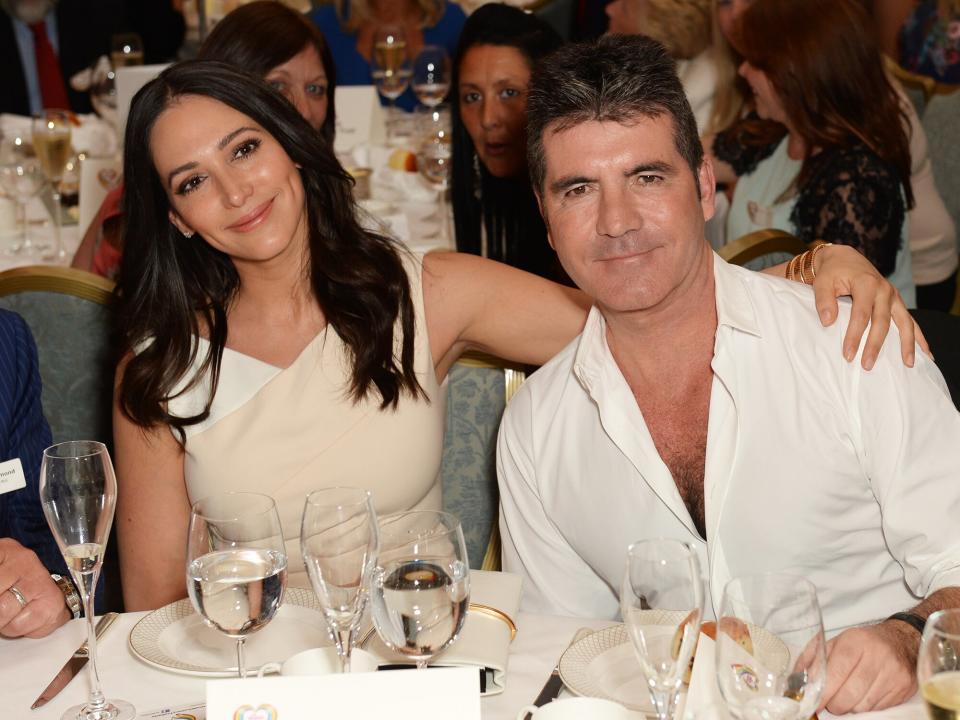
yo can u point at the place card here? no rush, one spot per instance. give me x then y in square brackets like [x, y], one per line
[129, 80]
[360, 119]
[11, 476]
[433, 694]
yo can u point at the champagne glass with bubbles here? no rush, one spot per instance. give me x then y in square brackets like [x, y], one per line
[389, 67]
[938, 665]
[420, 588]
[661, 601]
[51, 142]
[339, 540]
[236, 564]
[78, 491]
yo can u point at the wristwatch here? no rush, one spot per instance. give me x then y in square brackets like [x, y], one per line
[911, 619]
[70, 596]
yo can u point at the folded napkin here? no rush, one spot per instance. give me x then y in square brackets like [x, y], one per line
[485, 639]
[93, 135]
[703, 698]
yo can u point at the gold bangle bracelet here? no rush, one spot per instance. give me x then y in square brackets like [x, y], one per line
[813, 257]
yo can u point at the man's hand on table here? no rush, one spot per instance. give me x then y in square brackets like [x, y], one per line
[45, 610]
[871, 668]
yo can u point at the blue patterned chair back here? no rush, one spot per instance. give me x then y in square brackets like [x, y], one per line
[68, 312]
[478, 389]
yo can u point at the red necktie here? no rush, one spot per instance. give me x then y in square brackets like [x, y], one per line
[52, 87]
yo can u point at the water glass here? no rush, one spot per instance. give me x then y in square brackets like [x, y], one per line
[938, 665]
[661, 601]
[420, 588]
[771, 653]
[431, 75]
[21, 178]
[339, 542]
[236, 564]
[78, 492]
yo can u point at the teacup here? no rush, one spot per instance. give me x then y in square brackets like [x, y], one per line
[320, 661]
[579, 708]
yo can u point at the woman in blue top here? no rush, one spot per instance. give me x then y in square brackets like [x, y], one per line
[425, 22]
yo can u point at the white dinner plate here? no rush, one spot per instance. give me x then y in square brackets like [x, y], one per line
[175, 638]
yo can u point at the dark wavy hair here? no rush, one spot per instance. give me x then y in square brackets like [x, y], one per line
[505, 207]
[261, 35]
[822, 57]
[172, 289]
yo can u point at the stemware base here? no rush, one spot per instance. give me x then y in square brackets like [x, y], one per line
[113, 710]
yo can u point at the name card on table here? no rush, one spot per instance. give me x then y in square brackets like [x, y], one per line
[434, 694]
[129, 80]
[360, 119]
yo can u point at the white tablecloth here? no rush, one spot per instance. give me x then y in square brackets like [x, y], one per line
[26, 666]
[41, 232]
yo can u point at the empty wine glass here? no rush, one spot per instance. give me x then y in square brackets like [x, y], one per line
[51, 143]
[390, 67]
[770, 654]
[339, 541]
[236, 564]
[431, 75]
[661, 601]
[78, 491]
[938, 664]
[22, 178]
[421, 585]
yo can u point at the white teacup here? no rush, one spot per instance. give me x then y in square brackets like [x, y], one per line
[579, 708]
[320, 661]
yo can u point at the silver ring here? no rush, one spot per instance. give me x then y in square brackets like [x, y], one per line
[15, 591]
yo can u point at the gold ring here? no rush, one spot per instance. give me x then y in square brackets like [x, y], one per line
[496, 613]
[15, 591]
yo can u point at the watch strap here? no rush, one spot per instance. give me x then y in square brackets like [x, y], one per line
[912, 619]
[70, 595]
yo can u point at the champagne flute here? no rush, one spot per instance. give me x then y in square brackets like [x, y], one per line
[421, 585]
[126, 49]
[339, 541]
[771, 653]
[78, 491]
[51, 142]
[389, 67]
[661, 601]
[434, 162]
[938, 665]
[236, 564]
[22, 178]
[431, 75]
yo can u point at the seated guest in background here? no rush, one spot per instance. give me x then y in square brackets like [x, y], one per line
[684, 28]
[703, 402]
[265, 38]
[829, 158]
[270, 342]
[351, 38]
[43, 43]
[32, 602]
[495, 211]
[929, 39]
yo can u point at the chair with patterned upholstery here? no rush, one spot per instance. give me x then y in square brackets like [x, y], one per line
[760, 244]
[478, 389]
[68, 312]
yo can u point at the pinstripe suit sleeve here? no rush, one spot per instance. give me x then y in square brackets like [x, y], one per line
[24, 434]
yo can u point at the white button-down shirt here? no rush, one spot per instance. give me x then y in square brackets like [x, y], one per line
[813, 466]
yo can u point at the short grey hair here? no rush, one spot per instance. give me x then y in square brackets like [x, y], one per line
[618, 78]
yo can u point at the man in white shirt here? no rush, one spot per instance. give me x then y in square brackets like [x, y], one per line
[705, 403]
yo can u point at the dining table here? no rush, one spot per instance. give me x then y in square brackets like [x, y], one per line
[27, 665]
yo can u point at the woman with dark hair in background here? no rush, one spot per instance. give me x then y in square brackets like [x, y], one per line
[495, 211]
[267, 39]
[828, 158]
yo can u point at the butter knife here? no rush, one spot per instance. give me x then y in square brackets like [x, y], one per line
[552, 687]
[73, 665]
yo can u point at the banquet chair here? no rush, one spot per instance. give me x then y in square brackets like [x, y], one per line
[942, 331]
[921, 89]
[478, 389]
[759, 244]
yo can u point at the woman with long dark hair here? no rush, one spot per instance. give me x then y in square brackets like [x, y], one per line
[495, 211]
[829, 157]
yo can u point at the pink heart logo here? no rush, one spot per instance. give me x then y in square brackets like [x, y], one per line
[248, 712]
[109, 178]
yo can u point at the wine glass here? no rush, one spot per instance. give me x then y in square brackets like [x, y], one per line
[126, 49]
[389, 67]
[431, 75]
[435, 159]
[771, 653]
[78, 491]
[51, 143]
[421, 585]
[236, 564]
[21, 178]
[938, 664]
[339, 541]
[661, 601]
